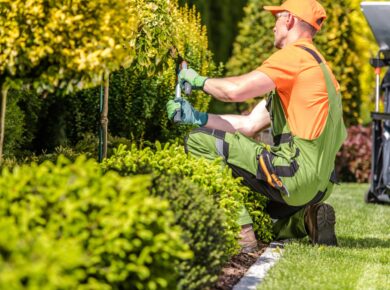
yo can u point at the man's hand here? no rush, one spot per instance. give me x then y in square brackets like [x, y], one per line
[192, 77]
[188, 114]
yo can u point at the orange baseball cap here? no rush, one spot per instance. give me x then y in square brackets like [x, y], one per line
[309, 11]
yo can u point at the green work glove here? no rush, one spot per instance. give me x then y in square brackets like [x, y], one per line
[192, 77]
[188, 114]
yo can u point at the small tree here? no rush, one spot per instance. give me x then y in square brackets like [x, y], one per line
[62, 45]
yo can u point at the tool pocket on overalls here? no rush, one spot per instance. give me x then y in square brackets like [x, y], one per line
[271, 173]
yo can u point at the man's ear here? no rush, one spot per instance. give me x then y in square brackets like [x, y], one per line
[290, 21]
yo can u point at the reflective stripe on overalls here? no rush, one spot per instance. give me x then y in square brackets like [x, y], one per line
[303, 168]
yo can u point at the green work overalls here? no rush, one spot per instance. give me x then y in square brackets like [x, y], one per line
[295, 171]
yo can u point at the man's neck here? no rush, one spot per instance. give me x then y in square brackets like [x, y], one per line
[295, 36]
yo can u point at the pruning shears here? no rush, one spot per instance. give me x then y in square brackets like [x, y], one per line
[180, 64]
[187, 90]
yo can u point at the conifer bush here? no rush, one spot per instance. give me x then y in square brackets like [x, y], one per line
[171, 159]
[228, 192]
[202, 222]
[137, 93]
[71, 226]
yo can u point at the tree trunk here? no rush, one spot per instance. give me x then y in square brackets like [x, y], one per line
[104, 114]
[4, 92]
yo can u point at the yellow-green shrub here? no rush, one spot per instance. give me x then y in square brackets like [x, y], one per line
[118, 235]
[60, 44]
[218, 182]
[138, 94]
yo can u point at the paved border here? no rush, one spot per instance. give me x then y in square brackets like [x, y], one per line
[256, 273]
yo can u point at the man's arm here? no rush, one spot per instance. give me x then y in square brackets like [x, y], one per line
[240, 88]
[248, 125]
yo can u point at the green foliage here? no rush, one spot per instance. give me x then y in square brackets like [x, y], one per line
[37, 261]
[15, 130]
[343, 53]
[255, 41]
[62, 44]
[220, 17]
[207, 215]
[171, 159]
[337, 46]
[202, 222]
[71, 225]
[255, 204]
[228, 192]
[21, 126]
[138, 94]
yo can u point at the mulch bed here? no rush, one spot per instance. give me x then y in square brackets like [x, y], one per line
[235, 269]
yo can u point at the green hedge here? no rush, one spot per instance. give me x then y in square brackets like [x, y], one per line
[228, 192]
[68, 225]
[202, 222]
[122, 231]
[137, 94]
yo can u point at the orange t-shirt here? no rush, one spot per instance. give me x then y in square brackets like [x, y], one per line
[301, 86]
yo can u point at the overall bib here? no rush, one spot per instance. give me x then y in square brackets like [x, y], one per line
[293, 173]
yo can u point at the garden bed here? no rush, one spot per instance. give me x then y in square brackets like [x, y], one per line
[236, 268]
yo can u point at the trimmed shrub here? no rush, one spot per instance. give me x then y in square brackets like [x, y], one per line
[202, 222]
[138, 94]
[34, 260]
[127, 238]
[353, 162]
[15, 131]
[220, 18]
[227, 191]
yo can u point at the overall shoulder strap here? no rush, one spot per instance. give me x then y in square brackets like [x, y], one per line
[312, 52]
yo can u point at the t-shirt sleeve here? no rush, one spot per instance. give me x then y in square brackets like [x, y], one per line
[282, 67]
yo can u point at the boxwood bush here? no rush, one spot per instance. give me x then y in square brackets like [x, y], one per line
[202, 222]
[228, 192]
[68, 224]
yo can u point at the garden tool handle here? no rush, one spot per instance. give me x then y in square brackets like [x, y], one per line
[187, 86]
[177, 117]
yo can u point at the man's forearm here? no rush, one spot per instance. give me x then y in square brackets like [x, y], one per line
[222, 89]
[241, 88]
[249, 125]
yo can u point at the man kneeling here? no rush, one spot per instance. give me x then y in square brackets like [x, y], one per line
[305, 114]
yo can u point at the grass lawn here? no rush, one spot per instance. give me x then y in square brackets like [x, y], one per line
[362, 260]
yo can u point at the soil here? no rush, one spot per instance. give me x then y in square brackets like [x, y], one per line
[235, 269]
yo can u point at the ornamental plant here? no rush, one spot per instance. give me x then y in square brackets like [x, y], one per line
[353, 162]
[139, 92]
[202, 221]
[217, 180]
[68, 225]
[62, 45]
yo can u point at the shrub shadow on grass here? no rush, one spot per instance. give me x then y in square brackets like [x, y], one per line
[362, 243]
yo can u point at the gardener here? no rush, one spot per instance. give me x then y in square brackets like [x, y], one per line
[305, 114]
